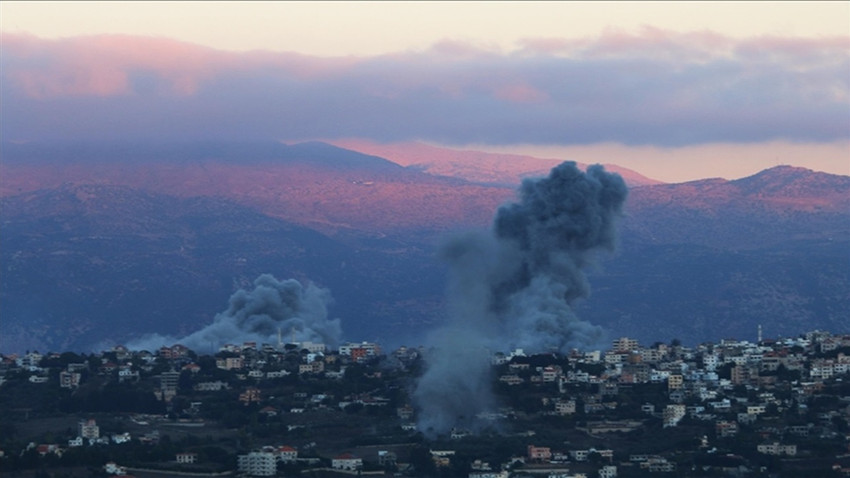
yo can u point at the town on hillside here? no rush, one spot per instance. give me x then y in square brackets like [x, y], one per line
[772, 408]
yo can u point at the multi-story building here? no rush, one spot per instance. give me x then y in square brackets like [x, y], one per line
[624, 345]
[88, 429]
[257, 463]
[673, 414]
[69, 379]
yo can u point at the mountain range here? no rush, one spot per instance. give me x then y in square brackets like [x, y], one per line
[104, 242]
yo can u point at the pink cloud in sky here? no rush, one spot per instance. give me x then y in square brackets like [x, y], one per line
[654, 87]
[103, 65]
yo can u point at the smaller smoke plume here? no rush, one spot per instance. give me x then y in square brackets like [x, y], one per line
[514, 288]
[258, 314]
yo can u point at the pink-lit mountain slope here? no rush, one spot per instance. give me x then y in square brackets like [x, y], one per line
[781, 187]
[474, 166]
[316, 185]
[780, 204]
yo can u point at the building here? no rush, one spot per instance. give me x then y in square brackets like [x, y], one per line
[777, 449]
[624, 344]
[69, 379]
[186, 457]
[608, 471]
[387, 458]
[674, 382]
[363, 349]
[229, 363]
[168, 381]
[539, 453]
[726, 428]
[250, 395]
[347, 461]
[257, 463]
[287, 454]
[673, 414]
[565, 407]
[88, 429]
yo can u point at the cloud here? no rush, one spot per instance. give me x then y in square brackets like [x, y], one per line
[654, 87]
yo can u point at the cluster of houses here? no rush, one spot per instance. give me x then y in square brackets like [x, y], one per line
[88, 434]
[265, 461]
[729, 385]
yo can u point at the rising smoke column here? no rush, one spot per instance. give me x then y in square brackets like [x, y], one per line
[257, 314]
[515, 286]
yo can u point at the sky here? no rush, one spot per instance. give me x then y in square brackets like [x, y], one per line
[674, 90]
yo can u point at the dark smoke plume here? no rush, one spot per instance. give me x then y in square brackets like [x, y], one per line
[256, 315]
[513, 288]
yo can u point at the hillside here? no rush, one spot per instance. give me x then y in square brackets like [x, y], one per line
[321, 186]
[778, 205]
[89, 263]
[102, 244]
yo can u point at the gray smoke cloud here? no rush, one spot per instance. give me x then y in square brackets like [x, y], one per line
[514, 288]
[257, 314]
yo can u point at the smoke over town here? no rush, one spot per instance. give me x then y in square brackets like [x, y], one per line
[256, 315]
[513, 288]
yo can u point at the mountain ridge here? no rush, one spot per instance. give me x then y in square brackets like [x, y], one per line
[164, 244]
[475, 166]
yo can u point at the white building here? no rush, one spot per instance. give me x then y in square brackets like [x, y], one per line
[347, 461]
[257, 463]
[777, 449]
[608, 471]
[88, 429]
[186, 457]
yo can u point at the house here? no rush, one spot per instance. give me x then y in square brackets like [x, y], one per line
[51, 448]
[216, 386]
[250, 395]
[112, 468]
[364, 349]
[565, 407]
[69, 379]
[229, 363]
[539, 453]
[192, 367]
[347, 461]
[88, 429]
[387, 458]
[313, 367]
[186, 457]
[287, 454]
[726, 428]
[276, 374]
[126, 372]
[608, 471]
[776, 448]
[442, 458]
